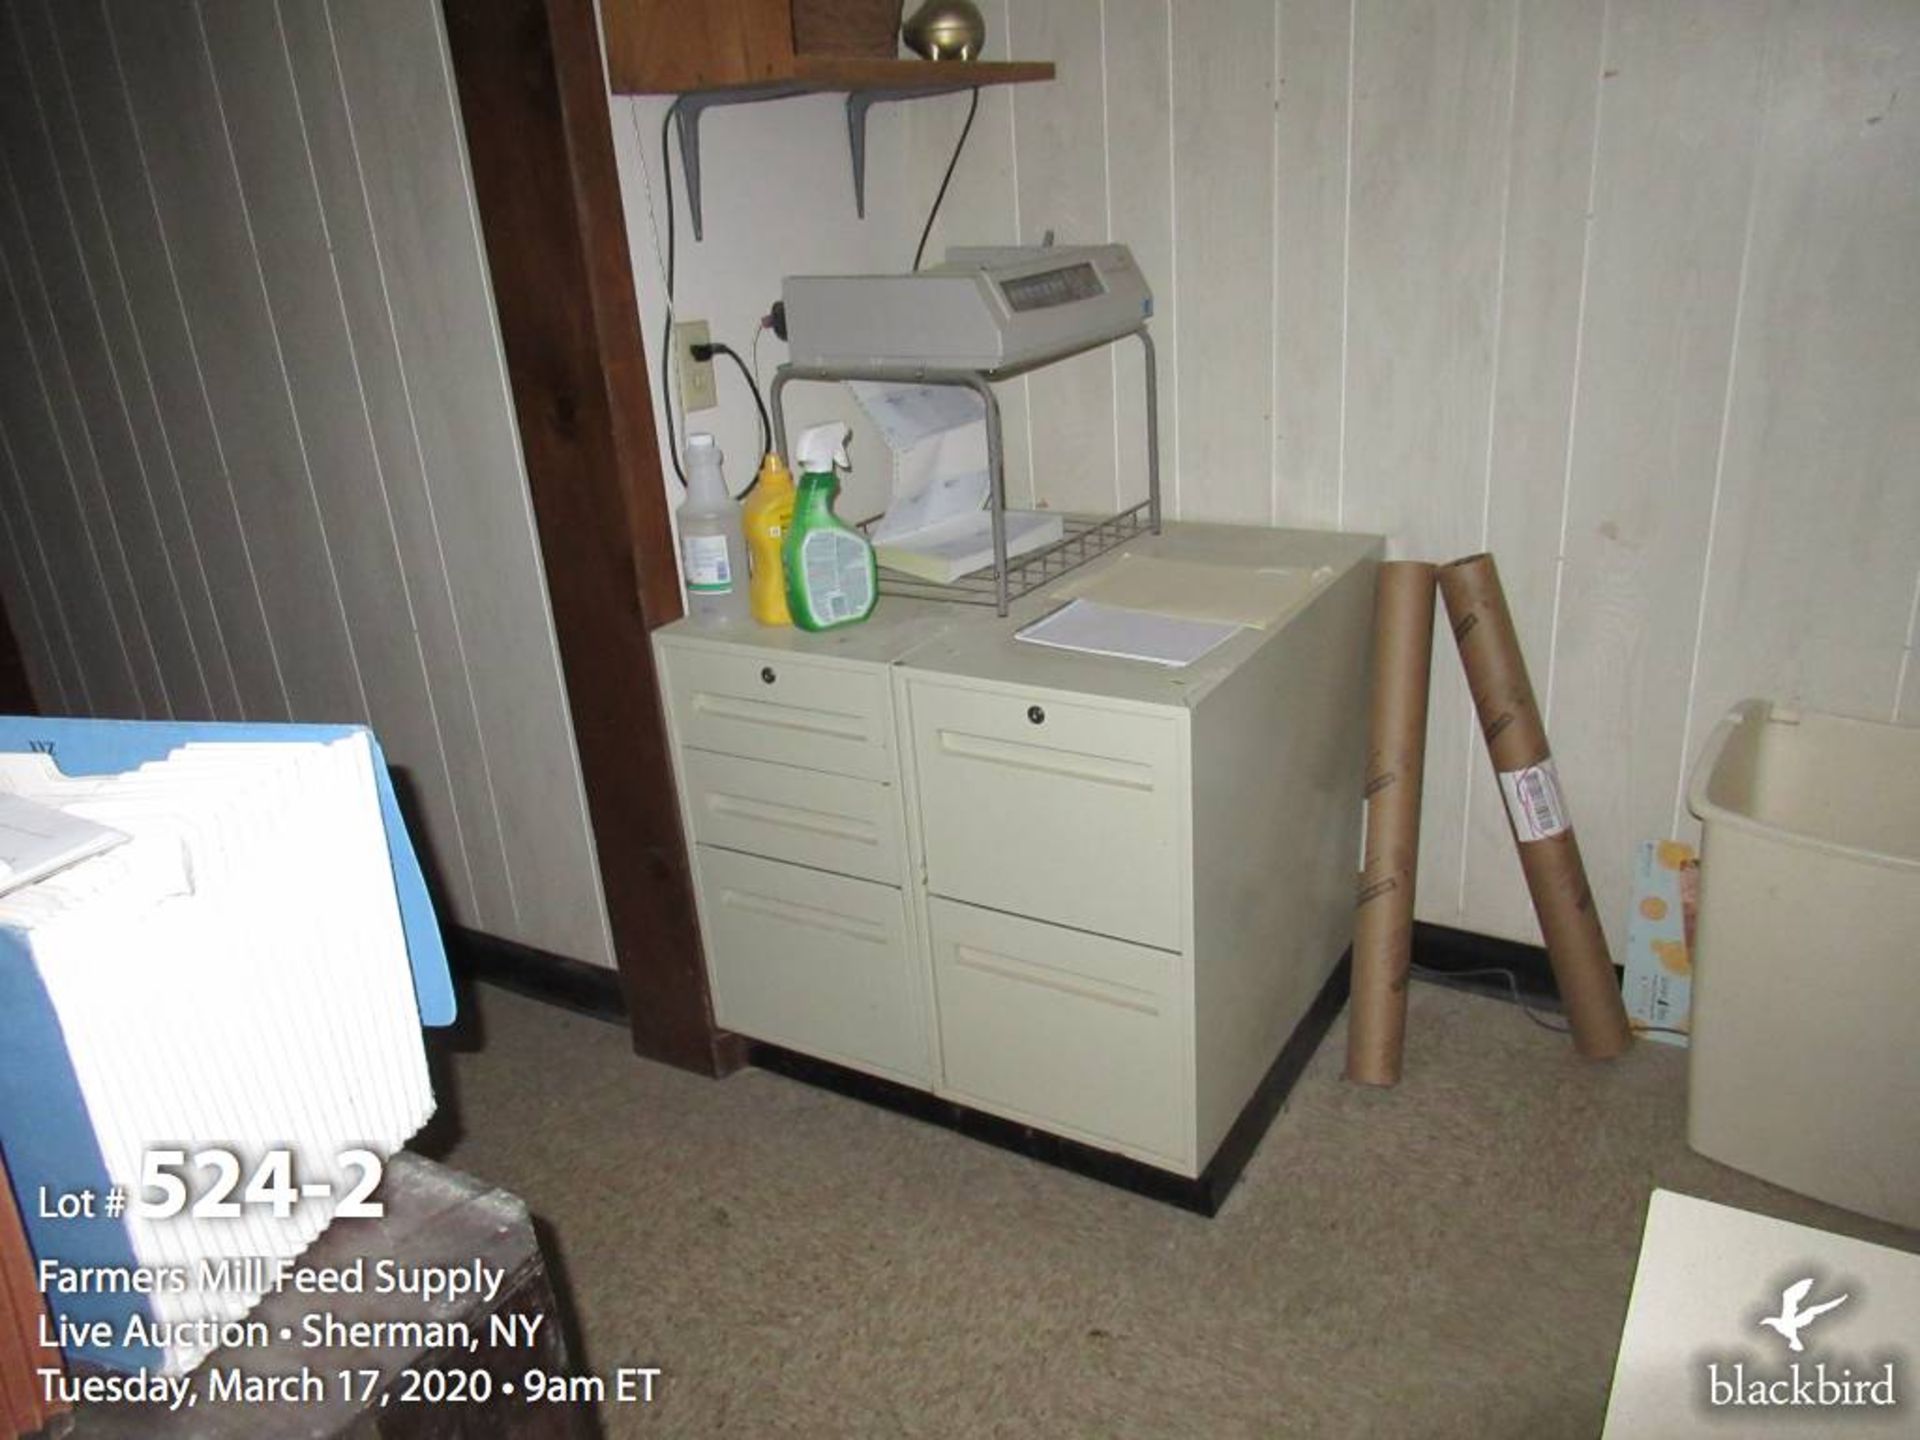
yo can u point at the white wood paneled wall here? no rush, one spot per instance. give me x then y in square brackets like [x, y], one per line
[1625, 292]
[258, 457]
[778, 200]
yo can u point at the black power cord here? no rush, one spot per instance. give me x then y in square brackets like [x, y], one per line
[707, 352]
[1513, 989]
[700, 352]
[973, 108]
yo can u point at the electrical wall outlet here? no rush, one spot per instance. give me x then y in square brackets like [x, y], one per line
[697, 390]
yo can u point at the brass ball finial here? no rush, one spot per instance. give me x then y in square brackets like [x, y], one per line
[946, 30]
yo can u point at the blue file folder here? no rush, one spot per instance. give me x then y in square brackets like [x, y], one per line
[46, 1134]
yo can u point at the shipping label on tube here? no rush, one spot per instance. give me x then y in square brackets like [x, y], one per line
[1534, 802]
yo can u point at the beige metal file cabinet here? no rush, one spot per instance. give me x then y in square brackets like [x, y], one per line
[1089, 896]
[785, 750]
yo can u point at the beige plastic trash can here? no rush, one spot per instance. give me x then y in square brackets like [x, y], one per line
[1805, 1060]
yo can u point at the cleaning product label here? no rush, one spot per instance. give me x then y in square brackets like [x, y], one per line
[708, 570]
[834, 568]
[1534, 802]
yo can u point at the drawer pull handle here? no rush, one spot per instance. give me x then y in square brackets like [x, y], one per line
[794, 913]
[786, 717]
[793, 817]
[1036, 715]
[1097, 768]
[767, 675]
[1023, 972]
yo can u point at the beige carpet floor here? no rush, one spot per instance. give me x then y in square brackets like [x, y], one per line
[1449, 1258]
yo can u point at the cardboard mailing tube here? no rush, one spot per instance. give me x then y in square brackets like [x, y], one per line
[1549, 854]
[1396, 757]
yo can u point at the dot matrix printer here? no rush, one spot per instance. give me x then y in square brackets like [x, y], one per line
[991, 309]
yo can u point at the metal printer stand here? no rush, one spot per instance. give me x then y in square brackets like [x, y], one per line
[1086, 536]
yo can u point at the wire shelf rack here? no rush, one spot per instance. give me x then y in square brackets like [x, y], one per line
[1010, 577]
[1087, 538]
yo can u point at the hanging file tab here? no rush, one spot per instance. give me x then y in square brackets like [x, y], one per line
[37, 840]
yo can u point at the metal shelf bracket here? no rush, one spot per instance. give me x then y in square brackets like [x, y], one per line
[858, 103]
[688, 109]
[686, 112]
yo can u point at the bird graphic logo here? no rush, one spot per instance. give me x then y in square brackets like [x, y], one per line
[1792, 1319]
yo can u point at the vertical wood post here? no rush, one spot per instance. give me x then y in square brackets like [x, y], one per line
[533, 101]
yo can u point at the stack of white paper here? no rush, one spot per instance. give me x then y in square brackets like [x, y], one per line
[235, 976]
[1174, 641]
[944, 552]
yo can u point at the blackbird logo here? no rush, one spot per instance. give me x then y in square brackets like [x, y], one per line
[1792, 1319]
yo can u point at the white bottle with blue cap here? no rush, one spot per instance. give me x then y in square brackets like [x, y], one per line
[713, 547]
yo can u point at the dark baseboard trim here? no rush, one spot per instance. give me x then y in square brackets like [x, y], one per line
[1442, 948]
[1203, 1196]
[570, 984]
[1247, 1131]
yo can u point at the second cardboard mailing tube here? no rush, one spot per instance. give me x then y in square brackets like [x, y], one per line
[1543, 832]
[1542, 829]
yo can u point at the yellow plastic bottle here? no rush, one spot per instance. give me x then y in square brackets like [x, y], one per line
[767, 515]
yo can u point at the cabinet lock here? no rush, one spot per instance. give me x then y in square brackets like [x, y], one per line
[1036, 714]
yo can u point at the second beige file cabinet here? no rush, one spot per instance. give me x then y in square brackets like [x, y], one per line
[1088, 895]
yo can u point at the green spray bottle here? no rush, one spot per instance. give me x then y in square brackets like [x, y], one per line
[831, 578]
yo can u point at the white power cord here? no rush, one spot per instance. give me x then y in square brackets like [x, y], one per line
[669, 383]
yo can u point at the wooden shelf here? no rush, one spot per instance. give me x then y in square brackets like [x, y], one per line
[740, 52]
[672, 47]
[855, 73]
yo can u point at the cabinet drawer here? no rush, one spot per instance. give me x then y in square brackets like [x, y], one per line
[1063, 1029]
[833, 822]
[1069, 812]
[818, 963]
[791, 712]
